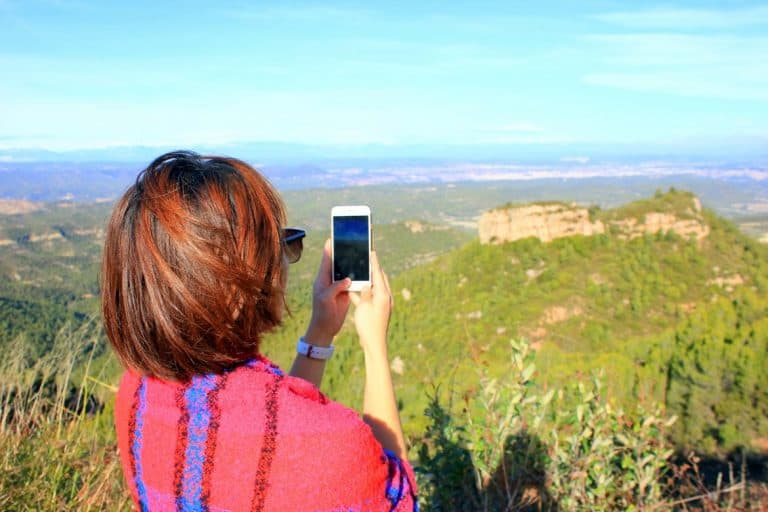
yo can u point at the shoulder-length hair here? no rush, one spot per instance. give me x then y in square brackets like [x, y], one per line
[192, 272]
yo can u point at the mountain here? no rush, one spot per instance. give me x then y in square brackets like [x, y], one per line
[663, 296]
[674, 317]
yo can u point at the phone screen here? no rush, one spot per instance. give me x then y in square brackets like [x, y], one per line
[350, 248]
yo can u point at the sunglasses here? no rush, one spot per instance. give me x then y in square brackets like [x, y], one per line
[294, 244]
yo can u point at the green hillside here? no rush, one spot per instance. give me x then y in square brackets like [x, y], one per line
[584, 303]
[624, 307]
[670, 321]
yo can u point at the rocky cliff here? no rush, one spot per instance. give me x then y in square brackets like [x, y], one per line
[18, 206]
[677, 212]
[543, 221]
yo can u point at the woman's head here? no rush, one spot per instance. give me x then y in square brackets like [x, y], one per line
[193, 269]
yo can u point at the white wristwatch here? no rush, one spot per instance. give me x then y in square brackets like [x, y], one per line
[313, 351]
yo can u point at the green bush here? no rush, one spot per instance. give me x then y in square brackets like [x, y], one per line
[520, 447]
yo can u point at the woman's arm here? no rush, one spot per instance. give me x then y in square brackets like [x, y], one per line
[372, 310]
[330, 302]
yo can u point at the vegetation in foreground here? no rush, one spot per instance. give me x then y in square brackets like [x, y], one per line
[674, 322]
[564, 449]
[57, 440]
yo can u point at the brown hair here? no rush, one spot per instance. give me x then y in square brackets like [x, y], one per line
[193, 271]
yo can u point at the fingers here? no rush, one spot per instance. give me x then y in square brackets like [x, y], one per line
[386, 280]
[389, 292]
[366, 294]
[376, 273]
[324, 272]
[380, 278]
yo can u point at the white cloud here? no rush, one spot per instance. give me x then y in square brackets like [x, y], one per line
[669, 49]
[260, 115]
[682, 84]
[575, 159]
[716, 66]
[513, 138]
[24, 74]
[515, 132]
[520, 127]
[679, 18]
[312, 13]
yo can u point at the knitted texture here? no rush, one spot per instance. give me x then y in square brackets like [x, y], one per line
[252, 439]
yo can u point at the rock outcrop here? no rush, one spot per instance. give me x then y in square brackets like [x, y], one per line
[656, 221]
[557, 220]
[543, 221]
[18, 206]
[688, 223]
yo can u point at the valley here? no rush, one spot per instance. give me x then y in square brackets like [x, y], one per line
[659, 296]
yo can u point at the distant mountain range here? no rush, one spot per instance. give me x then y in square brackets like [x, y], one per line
[729, 151]
[77, 177]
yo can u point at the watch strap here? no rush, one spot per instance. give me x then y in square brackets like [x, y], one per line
[313, 351]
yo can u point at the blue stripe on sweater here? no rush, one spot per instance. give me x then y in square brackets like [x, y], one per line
[256, 364]
[197, 434]
[138, 440]
[396, 492]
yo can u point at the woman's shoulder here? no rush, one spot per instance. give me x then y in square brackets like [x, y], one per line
[247, 386]
[266, 423]
[298, 404]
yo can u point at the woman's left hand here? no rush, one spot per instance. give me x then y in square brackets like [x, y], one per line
[330, 303]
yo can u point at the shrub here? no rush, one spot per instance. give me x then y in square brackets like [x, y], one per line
[521, 447]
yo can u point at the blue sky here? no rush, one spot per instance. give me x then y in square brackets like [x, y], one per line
[80, 74]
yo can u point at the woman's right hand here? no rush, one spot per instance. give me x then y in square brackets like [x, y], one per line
[330, 302]
[373, 307]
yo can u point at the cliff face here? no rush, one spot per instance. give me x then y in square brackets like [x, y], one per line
[550, 221]
[686, 220]
[656, 221]
[545, 222]
[18, 206]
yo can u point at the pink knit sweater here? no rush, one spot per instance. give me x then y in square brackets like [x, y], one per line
[252, 439]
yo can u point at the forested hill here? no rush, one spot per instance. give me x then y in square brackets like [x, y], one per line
[680, 320]
[675, 316]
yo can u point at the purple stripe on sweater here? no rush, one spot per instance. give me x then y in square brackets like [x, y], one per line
[196, 398]
[213, 431]
[138, 441]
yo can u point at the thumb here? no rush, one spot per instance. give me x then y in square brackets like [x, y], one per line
[338, 287]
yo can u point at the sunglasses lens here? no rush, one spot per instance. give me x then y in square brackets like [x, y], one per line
[294, 244]
[294, 250]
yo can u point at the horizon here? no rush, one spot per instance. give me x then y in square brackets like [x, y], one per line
[488, 81]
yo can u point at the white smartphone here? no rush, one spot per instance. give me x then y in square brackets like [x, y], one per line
[351, 245]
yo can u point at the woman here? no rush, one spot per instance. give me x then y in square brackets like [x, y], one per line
[194, 272]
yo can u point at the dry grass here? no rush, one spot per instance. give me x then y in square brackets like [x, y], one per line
[57, 449]
[57, 444]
